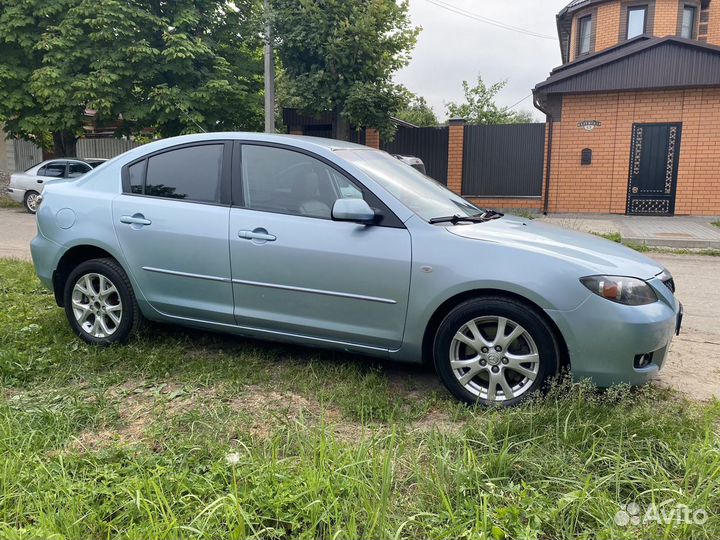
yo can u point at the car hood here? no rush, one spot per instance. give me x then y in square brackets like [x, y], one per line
[592, 253]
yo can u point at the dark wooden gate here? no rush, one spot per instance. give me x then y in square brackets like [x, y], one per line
[429, 144]
[654, 158]
[503, 160]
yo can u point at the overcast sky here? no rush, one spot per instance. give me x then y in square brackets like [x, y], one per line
[452, 48]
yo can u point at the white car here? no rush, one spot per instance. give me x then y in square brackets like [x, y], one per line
[26, 187]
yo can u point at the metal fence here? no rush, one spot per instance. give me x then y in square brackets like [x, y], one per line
[504, 160]
[27, 154]
[104, 148]
[429, 144]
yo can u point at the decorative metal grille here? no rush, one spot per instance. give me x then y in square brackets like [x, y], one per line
[670, 166]
[650, 206]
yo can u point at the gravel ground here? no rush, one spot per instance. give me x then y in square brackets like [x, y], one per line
[693, 365]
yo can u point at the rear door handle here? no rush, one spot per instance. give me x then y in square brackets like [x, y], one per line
[40, 181]
[135, 219]
[258, 234]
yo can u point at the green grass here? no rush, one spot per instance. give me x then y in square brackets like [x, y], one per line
[716, 223]
[183, 434]
[6, 202]
[523, 213]
[616, 237]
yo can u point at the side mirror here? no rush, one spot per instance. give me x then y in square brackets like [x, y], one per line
[355, 210]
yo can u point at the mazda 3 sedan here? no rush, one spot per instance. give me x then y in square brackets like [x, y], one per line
[330, 244]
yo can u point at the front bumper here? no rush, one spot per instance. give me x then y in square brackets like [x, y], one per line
[604, 338]
[17, 195]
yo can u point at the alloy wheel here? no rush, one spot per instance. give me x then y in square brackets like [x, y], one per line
[96, 305]
[32, 201]
[494, 358]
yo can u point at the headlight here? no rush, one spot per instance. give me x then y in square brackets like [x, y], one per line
[623, 290]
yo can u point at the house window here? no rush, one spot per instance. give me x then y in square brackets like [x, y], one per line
[688, 22]
[636, 21]
[584, 35]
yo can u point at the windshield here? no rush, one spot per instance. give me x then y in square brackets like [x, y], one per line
[423, 195]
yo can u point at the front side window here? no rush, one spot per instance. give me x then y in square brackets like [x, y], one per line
[423, 195]
[585, 35]
[688, 22]
[54, 169]
[288, 182]
[637, 21]
[191, 173]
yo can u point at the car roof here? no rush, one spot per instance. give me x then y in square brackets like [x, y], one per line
[82, 160]
[294, 140]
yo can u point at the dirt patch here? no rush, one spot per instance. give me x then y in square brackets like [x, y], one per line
[438, 421]
[139, 404]
[10, 393]
[267, 407]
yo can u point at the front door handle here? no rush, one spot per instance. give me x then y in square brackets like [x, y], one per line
[135, 219]
[258, 235]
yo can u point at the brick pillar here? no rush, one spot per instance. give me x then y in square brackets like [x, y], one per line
[372, 138]
[455, 154]
[296, 130]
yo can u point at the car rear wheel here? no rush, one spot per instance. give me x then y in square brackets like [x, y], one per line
[31, 201]
[495, 351]
[100, 304]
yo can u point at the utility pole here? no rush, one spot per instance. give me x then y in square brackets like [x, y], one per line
[269, 75]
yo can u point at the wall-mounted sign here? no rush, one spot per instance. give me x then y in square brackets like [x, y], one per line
[589, 125]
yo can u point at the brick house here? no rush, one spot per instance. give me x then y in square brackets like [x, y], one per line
[633, 114]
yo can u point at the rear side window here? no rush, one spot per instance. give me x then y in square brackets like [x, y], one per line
[77, 169]
[53, 170]
[136, 173]
[191, 173]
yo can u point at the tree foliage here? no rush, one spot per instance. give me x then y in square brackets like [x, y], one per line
[418, 112]
[340, 55]
[177, 67]
[479, 106]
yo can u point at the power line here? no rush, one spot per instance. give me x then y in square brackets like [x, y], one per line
[511, 107]
[486, 20]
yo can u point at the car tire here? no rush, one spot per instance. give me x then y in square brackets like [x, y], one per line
[31, 201]
[100, 303]
[477, 365]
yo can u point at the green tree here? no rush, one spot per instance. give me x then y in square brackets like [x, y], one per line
[418, 112]
[340, 55]
[176, 67]
[479, 106]
[523, 117]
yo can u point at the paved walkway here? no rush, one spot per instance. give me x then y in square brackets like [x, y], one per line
[17, 228]
[673, 232]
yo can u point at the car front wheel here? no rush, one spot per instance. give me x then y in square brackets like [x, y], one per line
[31, 201]
[100, 304]
[495, 351]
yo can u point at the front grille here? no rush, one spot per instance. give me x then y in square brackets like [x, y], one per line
[670, 284]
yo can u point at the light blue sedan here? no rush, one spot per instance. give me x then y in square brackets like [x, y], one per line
[330, 244]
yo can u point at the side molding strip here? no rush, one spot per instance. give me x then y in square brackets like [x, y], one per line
[185, 274]
[314, 291]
